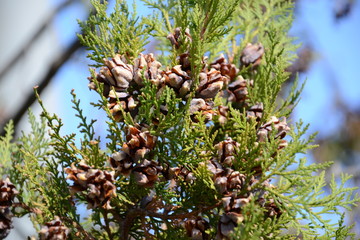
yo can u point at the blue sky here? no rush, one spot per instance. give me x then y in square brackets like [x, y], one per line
[334, 70]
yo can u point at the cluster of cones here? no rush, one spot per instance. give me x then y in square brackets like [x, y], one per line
[122, 82]
[7, 194]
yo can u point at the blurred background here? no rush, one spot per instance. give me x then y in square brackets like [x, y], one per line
[39, 47]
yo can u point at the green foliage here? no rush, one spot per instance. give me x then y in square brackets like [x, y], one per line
[120, 32]
[6, 148]
[169, 168]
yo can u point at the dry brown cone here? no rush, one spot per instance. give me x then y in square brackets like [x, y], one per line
[202, 106]
[121, 101]
[178, 79]
[281, 128]
[232, 216]
[179, 172]
[7, 193]
[122, 163]
[226, 151]
[226, 69]
[255, 112]
[147, 173]
[252, 54]
[126, 80]
[98, 184]
[222, 114]
[195, 228]
[237, 91]
[210, 83]
[5, 222]
[139, 142]
[272, 208]
[226, 180]
[116, 73]
[147, 66]
[54, 230]
[228, 222]
[229, 181]
[177, 39]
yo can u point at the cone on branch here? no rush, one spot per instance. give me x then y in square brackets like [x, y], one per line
[255, 112]
[237, 91]
[226, 151]
[228, 222]
[252, 54]
[147, 173]
[281, 128]
[119, 101]
[226, 69]
[178, 79]
[210, 83]
[196, 228]
[122, 82]
[222, 114]
[5, 222]
[204, 107]
[177, 39]
[98, 184]
[147, 66]
[272, 209]
[7, 194]
[229, 181]
[139, 142]
[54, 230]
[182, 172]
[122, 163]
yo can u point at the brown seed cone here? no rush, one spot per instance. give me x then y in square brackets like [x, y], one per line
[98, 184]
[281, 128]
[222, 114]
[118, 73]
[184, 61]
[227, 150]
[7, 193]
[126, 102]
[229, 181]
[273, 210]
[226, 69]
[5, 222]
[179, 172]
[237, 91]
[147, 66]
[252, 54]
[177, 39]
[147, 173]
[195, 228]
[255, 112]
[178, 79]
[225, 179]
[234, 204]
[227, 224]
[54, 230]
[202, 106]
[122, 163]
[210, 83]
[139, 142]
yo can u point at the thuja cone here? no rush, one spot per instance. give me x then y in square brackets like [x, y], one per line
[54, 230]
[7, 195]
[98, 184]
